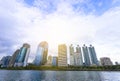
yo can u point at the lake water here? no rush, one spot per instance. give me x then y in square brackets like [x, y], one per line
[34, 75]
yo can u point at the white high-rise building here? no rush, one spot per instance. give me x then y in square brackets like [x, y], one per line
[71, 50]
[75, 57]
[78, 56]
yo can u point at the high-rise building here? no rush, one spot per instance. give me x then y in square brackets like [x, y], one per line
[106, 61]
[22, 57]
[54, 61]
[62, 55]
[78, 56]
[75, 57]
[12, 60]
[93, 57]
[86, 55]
[41, 54]
[71, 50]
[5, 61]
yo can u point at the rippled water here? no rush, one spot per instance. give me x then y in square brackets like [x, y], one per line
[31, 75]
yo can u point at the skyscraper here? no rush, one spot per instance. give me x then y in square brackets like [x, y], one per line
[5, 61]
[71, 50]
[62, 55]
[22, 57]
[12, 60]
[86, 55]
[93, 57]
[41, 54]
[78, 56]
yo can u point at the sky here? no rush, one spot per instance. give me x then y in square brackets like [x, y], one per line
[95, 22]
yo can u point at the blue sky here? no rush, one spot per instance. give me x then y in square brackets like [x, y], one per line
[80, 22]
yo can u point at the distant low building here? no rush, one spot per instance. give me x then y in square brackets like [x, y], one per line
[54, 61]
[105, 61]
[49, 61]
[116, 63]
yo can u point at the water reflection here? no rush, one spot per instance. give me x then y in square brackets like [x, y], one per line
[24, 75]
[94, 76]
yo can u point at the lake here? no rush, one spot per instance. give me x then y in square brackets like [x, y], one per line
[36, 75]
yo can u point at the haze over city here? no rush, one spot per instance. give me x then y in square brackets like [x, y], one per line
[60, 21]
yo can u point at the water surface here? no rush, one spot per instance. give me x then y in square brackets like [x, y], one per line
[31, 75]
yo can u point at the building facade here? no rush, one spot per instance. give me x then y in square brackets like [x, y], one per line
[105, 61]
[13, 58]
[22, 58]
[93, 57]
[62, 55]
[5, 61]
[41, 54]
[49, 61]
[72, 57]
[86, 55]
[78, 56]
[54, 61]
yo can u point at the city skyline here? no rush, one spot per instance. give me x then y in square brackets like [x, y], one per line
[79, 56]
[75, 22]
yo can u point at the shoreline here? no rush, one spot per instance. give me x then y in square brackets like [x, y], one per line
[68, 68]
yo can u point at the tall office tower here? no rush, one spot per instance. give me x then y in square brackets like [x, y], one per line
[41, 54]
[71, 50]
[78, 56]
[5, 61]
[106, 61]
[12, 60]
[22, 57]
[93, 57]
[86, 55]
[62, 55]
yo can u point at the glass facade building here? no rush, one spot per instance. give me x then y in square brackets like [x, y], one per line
[22, 58]
[93, 57]
[41, 54]
[54, 61]
[86, 55]
[5, 61]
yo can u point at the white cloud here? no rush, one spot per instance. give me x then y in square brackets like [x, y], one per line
[64, 25]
